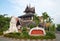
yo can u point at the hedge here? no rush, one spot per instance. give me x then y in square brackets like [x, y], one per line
[25, 35]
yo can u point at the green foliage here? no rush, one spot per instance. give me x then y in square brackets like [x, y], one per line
[50, 19]
[36, 19]
[50, 35]
[25, 35]
[4, 22]
[52, 28]
[31, 26]
[45, 15]
[1, 33]
[12, 35]
[58, 27]
[24, 29]
[36, 37]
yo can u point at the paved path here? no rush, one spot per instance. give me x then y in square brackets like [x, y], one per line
[58, 36]
[5, 39]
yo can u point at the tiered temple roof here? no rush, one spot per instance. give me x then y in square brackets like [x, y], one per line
[30, 11]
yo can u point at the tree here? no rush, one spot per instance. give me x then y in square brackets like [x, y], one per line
[58, 27]
[36, 19]
[4, 22]
[52, 28]
[45, 16]
[47, 20]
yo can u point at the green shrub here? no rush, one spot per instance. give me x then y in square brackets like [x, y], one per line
[1, 33]
[25, 35]
[58, 27]
[13, 35]
[4, 22]
[36, 37]
[52, 28]
[31, 26]
[36, 19]
[50, 35]
[24, 29]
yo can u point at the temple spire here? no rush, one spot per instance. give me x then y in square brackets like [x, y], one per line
[29, 9]
[29, 5]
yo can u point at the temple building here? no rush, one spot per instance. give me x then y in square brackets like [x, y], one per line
[27, 18]
[29, 13]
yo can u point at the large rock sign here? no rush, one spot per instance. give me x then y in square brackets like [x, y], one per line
[37, 31]
[12, 27]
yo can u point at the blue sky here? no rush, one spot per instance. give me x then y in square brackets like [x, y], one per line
[16, 7]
